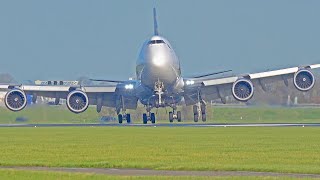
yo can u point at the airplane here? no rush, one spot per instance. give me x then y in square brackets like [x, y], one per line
[158, 84]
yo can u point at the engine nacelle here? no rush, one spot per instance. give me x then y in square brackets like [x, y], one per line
[303, 80]
[242, 90]
[15, 100]
[77, 101]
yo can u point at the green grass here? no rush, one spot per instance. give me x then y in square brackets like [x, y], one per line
[45, 114]
[18, 174]
[293, 149]
[266, 114]
[60, 114]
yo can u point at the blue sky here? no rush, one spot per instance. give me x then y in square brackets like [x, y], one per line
[61, 39]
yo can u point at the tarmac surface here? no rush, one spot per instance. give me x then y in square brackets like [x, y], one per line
[171, 125]
[149, 172]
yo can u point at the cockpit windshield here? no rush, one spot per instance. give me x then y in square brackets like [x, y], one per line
[156, 42]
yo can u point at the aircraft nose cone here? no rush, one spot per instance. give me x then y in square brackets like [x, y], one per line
[158, 61]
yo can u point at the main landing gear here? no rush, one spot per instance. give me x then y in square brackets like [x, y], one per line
[124, 117]
[199, 110]
[175, 115]
[121, 108]
[149, 116]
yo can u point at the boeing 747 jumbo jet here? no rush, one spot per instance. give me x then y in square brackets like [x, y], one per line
[159, 84]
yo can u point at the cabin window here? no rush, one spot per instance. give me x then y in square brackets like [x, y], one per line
[156, 42]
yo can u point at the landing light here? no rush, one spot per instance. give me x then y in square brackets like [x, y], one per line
[189, 82]
[128, 86]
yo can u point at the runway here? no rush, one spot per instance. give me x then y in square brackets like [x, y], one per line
[150, 172]
[170, 125]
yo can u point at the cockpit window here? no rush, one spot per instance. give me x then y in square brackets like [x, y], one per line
[156, 42]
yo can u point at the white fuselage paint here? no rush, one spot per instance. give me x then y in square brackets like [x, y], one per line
[158, 62]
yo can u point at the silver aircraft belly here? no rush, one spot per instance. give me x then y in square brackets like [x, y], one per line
[151, 74]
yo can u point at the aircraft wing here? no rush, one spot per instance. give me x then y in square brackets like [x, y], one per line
[61, 92]
[80, 97]
[242, 86]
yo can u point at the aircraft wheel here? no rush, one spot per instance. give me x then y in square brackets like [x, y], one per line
[195, 117]
[203, 108]
[128, 117]
[195, 109]
[171, 117]
[204, 117]
[153, 118]
[179, 116]
[145, 118]
[120, 118]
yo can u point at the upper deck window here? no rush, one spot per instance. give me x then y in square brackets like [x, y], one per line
[156, 42]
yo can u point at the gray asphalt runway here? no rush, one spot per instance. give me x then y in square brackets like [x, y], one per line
[149, 172]
[172, 125]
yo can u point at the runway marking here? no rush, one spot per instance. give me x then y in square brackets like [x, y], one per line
[149, 172]
[170, 125]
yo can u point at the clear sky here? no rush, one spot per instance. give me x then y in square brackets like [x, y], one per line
[61, 39]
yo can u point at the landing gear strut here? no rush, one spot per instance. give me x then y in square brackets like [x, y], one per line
[121, 116]
[175, 115]
[199, 110]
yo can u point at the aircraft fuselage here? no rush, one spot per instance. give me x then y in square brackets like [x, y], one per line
[158, 63]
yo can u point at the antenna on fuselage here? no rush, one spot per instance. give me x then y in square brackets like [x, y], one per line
[155, 23]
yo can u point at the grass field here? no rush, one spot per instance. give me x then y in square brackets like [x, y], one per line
[26, 175]
[59, 114]
[285, 149]
[46, 114]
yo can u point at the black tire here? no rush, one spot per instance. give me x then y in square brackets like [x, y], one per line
[195, 109]
[196, 117]
[145, 118]
[120, 118]
[153, 118]
[128, 117]
[203, 108]
[170, 117]
[179, 116]
[204, 117]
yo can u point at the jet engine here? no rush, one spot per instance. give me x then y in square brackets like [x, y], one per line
[77, 101]
[15, 100]
[242, 90]
[303, 80]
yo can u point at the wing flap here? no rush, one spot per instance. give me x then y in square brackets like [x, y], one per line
[226, 80]
[273, 73]
[45, 88]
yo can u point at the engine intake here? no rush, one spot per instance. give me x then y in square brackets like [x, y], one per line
[242, 90]
[77, 101]
[303, 80]
[15, 100]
